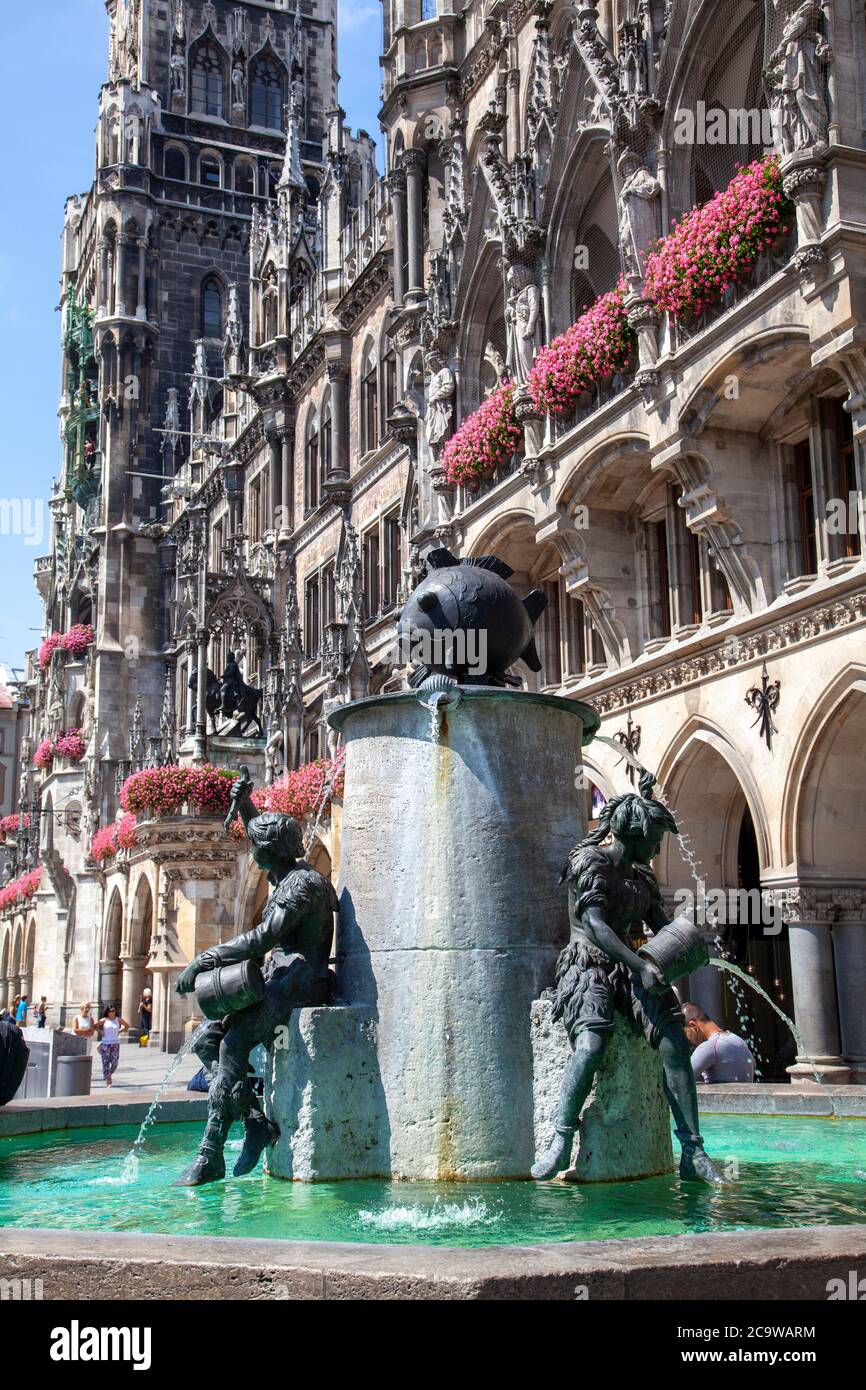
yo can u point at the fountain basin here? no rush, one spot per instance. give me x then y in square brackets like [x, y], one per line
[791, 1172]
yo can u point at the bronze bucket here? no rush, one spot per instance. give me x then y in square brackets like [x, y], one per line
[678, 949]
[229, 988]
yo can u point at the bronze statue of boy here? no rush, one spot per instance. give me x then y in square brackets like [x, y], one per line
[610, 890]
[295, 933]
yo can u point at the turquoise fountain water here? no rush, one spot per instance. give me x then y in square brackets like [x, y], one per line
[789, 1172]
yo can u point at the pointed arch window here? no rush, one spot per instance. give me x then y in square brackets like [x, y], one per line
[327, 441]
[266, 94]
[370, 402]
[207, 83]
[211, 308]
[312, 466]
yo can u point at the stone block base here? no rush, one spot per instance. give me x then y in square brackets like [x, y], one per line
[323, 1089]
[625, 1129]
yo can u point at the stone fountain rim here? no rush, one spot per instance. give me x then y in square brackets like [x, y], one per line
[494, 693]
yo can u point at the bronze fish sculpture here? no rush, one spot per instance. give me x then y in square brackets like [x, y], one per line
[465, 622]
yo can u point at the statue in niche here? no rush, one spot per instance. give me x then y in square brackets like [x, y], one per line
[294, 939]
[638, 222]
[522, 311]
[795, 76]
[274, 751]
[441, 389]
[239, 701]
[178, 76]
[611, 889]
[239, 86]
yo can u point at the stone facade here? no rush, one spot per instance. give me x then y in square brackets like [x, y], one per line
[698, 518]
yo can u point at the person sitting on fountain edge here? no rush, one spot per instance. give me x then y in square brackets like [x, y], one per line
[610, 890]
[296, 929]
[719, 1055]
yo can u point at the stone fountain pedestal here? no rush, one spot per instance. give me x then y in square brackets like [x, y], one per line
[442, 1062]
[455, 829]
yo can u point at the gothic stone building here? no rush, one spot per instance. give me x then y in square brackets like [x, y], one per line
[267, 345]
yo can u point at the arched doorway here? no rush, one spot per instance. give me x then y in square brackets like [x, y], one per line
[135, 976]
[724, 830]
[829, 851]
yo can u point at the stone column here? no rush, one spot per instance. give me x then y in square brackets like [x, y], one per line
[103, 296]
[141, 307]
[120, 272]
[287, 448]
[200, 750]
[397, 185]
[132, 983]
[415, 162]
[808, 917]
[273, 489]
[109, 984]
[190, 694]
[337, 375]
[849, 951]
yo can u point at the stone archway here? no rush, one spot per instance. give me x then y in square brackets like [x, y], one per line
[135, 976]
[721, 816]
[828, 843]
[28, 959]
[110, 964]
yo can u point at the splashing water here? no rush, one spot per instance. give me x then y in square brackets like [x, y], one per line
[728, 965]
[129, 1172]
[462, 1215]
[689, 857]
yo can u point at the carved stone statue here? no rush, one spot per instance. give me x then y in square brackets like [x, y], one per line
[638, 221]
[795, 75]
[440, 399]
[294, 935]
[178, 75]
[612, 889]
[522, 310]
[274, 751]
[239, 87]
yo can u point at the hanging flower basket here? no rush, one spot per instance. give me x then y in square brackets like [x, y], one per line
[10, 825]
[44, 755]
[488, 438]
[20, 890]
[306, 793]
[48, 648]
[162, 791]
[717, 245]
[69, 745]
[597, 346]
[78, 639]
[110, 838]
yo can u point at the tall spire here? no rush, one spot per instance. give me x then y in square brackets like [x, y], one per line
[292, 175]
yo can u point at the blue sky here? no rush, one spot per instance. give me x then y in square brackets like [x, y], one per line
[52, 63]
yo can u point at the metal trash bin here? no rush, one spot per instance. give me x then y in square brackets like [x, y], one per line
[73, 1075]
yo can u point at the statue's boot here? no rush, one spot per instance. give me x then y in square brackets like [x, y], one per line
[259, 1132]
[558, 1157]
[208, 1164]
[696, 1164]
